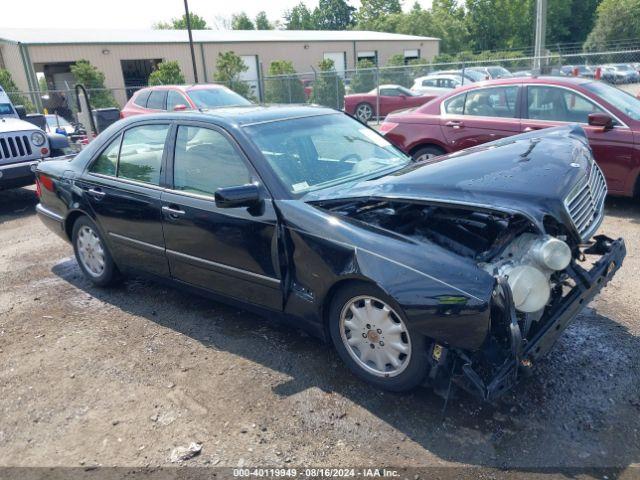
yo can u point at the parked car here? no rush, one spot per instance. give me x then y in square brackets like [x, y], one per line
[435, 85]
[23, 145]
[620, 74]
[392, 97]
[466, 74]
[74, 131]
[456, 271]
[181, 97]
[584, 71]
[492, 72]
[522, 73]
[483, 112]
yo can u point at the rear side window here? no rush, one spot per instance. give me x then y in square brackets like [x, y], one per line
[492, 102]
[141, 153]
[106, 163]
[141, 98]
[156, 99]
[455, 105]
[205, 160]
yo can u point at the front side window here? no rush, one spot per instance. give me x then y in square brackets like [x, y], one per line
[558, 104]
[205, 160]
[106, 163]
[141, 153]
[455, 105]
[318, 152]
[174, 99]
[492, 102]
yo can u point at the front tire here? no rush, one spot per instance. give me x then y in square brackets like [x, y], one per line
[374, 339]
[92, 253]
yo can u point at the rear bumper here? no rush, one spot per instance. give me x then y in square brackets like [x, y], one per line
[52, 220]
[17, 175]
[524, 354]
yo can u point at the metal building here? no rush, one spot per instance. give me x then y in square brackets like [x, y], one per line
[126, 57]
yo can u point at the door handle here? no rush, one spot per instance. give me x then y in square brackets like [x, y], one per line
[173, 211]
[454, 124]
[96, 193]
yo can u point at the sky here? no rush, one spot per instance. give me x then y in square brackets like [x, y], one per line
[137, 13]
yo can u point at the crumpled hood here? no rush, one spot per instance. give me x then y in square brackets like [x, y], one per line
[530, 174]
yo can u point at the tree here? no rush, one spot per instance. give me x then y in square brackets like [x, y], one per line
[241, 21]
[9, 86]
[283, 85]
[229, 67]
[396, 72]
[180, 23]
[372, 10]
[262, 22]
[333, 15]
[328, 89]
[364, 78]
[615, 20]
[167, 73]
[93, 80]
[299, 18]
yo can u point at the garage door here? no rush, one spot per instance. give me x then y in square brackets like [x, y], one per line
[339, 60]
[251, 75]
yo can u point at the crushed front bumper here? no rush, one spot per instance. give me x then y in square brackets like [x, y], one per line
[525, 353]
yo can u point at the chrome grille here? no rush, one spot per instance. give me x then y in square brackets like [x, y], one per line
[585, 204]
[16, 146]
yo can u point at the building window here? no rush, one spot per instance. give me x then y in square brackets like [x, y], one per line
[371, 55]
[411, 55]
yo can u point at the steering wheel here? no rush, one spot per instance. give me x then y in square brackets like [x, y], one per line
[355, 156]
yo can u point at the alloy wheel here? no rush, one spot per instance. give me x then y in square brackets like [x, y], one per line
[375, 336]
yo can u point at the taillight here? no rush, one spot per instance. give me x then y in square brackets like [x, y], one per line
[46, 182]
[121, 114]
[386, 127]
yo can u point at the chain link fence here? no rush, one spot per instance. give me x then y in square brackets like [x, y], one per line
[350, 88]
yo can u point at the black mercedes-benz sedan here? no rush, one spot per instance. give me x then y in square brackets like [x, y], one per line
[462, 271]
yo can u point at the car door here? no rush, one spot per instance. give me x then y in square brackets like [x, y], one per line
[122, 187]
[157, 101]
[549, 106]
[391, 99]
[480, 115]
[229, 251]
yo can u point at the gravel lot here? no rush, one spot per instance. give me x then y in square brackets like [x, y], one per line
[123, 376]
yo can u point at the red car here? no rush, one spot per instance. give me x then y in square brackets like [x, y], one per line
[486, 111]
[392, 98]
[181, 97]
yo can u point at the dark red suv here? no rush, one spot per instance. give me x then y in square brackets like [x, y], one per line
[486, 111]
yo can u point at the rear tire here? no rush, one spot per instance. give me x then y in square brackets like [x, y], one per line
[372, 336]
[426, 154]
[364, 112]
[92, 253]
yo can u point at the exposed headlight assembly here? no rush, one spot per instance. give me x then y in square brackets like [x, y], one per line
[38, 139]
[528, 263]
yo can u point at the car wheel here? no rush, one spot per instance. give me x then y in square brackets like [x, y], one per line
[374, 339]
[92, 253]
[425, 154]
[364, 112]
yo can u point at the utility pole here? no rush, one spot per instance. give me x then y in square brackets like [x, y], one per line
[541, 33]
[193, 55]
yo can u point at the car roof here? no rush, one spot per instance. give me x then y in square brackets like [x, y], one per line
[240, 115]
[184, 88]
[544, 80]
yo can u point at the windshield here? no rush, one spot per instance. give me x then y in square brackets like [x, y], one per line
[318, 152]
[624, 68]
[623, 101]
[216, 97]
[53, 122]
[498, 72]
[6, 109]
[474, 75]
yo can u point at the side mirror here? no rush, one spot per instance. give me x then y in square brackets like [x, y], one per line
[241, 196]
[180, 107]
[600, 120]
